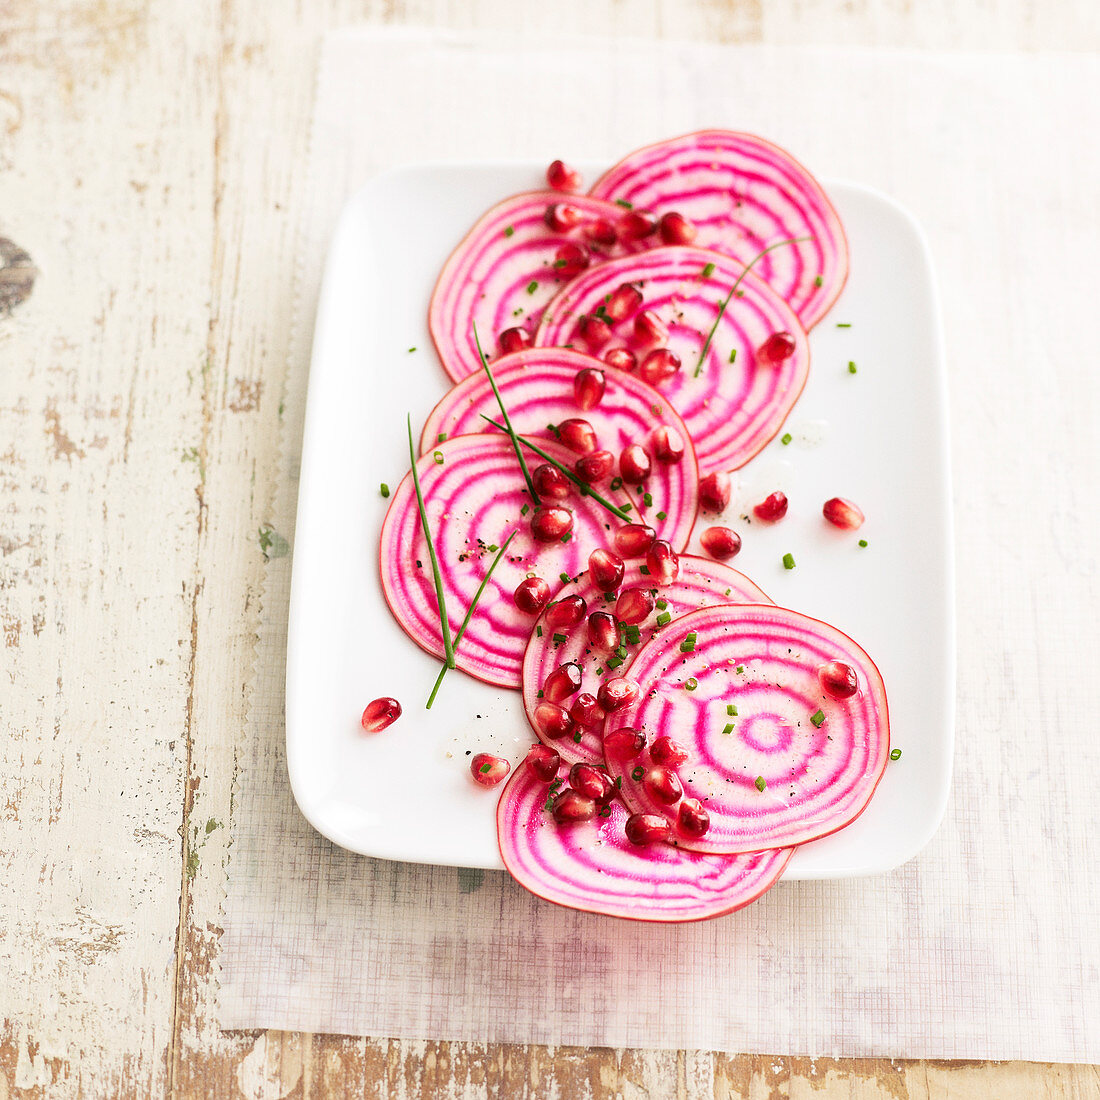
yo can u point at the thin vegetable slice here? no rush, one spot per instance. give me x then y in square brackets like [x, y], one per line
[701, 583]
[742, 194]
[732, 396]
[537, 387]
[591, 865]
[789, 763]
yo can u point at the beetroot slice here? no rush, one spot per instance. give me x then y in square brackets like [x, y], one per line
[817, 759]
[743, 194]
[702, 583]
[474, 498]
[591, 866]
[732, 409]
[503, 273]
[537, 388]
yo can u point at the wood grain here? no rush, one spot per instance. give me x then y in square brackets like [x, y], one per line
[148, 185]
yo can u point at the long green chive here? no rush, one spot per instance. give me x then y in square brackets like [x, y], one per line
[761, 782]
[733, 289]
[895, 754]
[688, 644]
[818, 719]
[384, 489]
[728, 728]
[788, 561]
[691, 683]
[731, 710]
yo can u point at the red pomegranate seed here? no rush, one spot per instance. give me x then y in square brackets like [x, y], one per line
[637, 224]
[489, 770]
[531, 595]
[635, 464]
[563, 178]
[692, 819]
[603, 632]
[838, 679]
[550, 482]
[562, 216]
[646, 829]
[773, 507]
[623, 302]
[381, 713]
[566, 613]
[621, 359]
[594, 468]
[586, 711]
[842, 513]
[666, 751]
[578, 435]
[632, 540]
[668, 446]
[606, 569]
[514, 339]
[649, 329]
[625, 742]
[588, 387]
[595, 331]
[543, 761]
[714, 491]
[720, 542]
[633, 605]
[662, 562]
[618, 692]
[554, 721]
[590, 781]
[777, 347]
[676, 229]
[659, 366]
[562, 682]
[571, 806]
[551, 523]
[663, 784]
[569, 260]
[600, 231]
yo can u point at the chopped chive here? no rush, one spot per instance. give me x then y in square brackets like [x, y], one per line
[818, 718]
[788, 561]
[540, 694]
[785, 438]
[624, 203]
[517, 312]
[492, 549]
[441, 438]
[895, 754]
[647, 499]
[532, 286]
[662, 604]
[384, 489]
[851, 367]
[843, 324]
[637, 774]
[740, 668]
[662, 515]
[538, 631]
[708, 271]
[577, 738]
[614, 662]
[438, 457]
[818, 281]
[761, 782]
[733, 356]
[599, 672]
[688, 644]
[567, 537]
[564, 578]
[632, 633]
[560, 263]
[485, 769]
[509, 230]
[616, 483]
[525, 509]
[626, 507]
[620, 651]
[863, 542]
[728, 728]
[731, 710]
[559, 639]
[728, 591]
[644, 570]
[664, 618]
[411, 350]
[691, 683]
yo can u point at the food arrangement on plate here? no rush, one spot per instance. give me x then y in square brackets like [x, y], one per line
[616, 356]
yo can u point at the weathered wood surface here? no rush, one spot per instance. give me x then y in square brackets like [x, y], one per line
[148, 194]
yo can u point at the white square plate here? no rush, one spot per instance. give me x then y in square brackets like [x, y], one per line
[878, 437]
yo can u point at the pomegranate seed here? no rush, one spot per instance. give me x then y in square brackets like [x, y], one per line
[635, 464]
[634, 605]
[603, 632]
[514, 339]
[720, 542]
[605, 569]
[589, 780]
[676, 229]
[777, 347]
[842, 513]
[543, 761]
[554, 721]
[637, 224]
[562, 216]
[645, 829]
[595, 331]
[838, 679]
[550, 482]
[566, 613]
[588, 387]
[595, 467]
[618, 692]
[668, 445]
[623, 302]
[601, 231]
[625, 742]
[649, 329]
[773, 507]
[632, 540]
[563, 178]
[692, 819]
[578, 435]
[531, 595]
[659, 366]
[551, 524]
[381, 713]
[571, 806]
[663, 784]
[586, 711]
[569, 260]
[562, 682]
[666, 751]
[662, 562]
[489, 770]
[714, 492]
[621, 359]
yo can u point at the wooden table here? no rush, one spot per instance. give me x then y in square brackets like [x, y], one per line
[146, 157]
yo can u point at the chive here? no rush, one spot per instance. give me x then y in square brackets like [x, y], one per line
[485, 769]
[577, 738]
[532, 286]
[564, 578]
[647, 499]
[492, 549]
[566, 538]
[616, 483]
[843, 324]
[788, 561]
[818, 719]
[540, 694]
[559, 639]
[740, 668]
[632, 633]
[731, 710]
[624, 203]
[662, 515]
[384, 489]
[620, 651]
[538, 631]
[688, 644]
[599, 672]
[525, 509]
[895, 754]
[728, 591]
[863, 542]
[691, 683]
[708, 271]
[509, 230]
[664, 618]
[614, 662]
[728, 728]
[761, 782]
[438, 456]
[637, 774]
[662, 604]
[785, 438]
[851, 367]
[606, 811]
[818, 281]
[441, 438]
[411, 350]
[733, 356]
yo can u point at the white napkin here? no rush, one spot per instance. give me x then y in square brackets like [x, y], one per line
[985, 946]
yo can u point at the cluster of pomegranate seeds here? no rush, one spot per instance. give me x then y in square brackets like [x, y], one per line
[676, 229]
[633, 540]
[588, 387]
[645, 829]
[842, 513]
[578, 435]
[543, 761]
[721, 543]
[621, 359]
[563, 178]
[489, 770]
[838, 679]
[562, 216]
[514, 339]
[772, 508]
[531, 595]
[668, 447]
[777, 348]
[380, 713]
[551, 523]
[714, 492]
[606, 569]
[562, 682]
